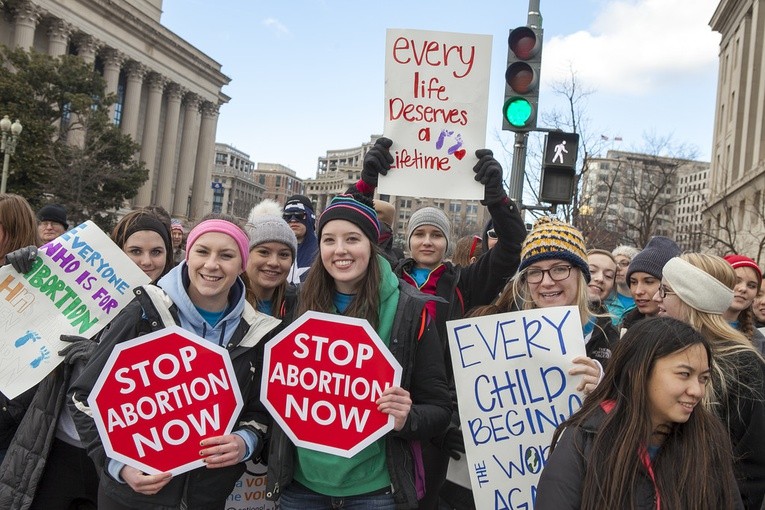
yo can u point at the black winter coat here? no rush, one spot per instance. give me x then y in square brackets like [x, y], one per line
[200, 488]
[423, 375]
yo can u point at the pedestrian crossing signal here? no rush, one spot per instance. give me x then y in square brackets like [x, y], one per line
[558, 179]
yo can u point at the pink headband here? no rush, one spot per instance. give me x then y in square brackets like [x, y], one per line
[224, 227]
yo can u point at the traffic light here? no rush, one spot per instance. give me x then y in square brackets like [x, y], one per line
[524, 62]
[558, 180]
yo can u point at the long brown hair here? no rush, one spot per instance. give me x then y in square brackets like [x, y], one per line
[18, 223]
[317, 292]
[698, 452]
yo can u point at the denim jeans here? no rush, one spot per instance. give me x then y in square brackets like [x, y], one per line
[297, 497]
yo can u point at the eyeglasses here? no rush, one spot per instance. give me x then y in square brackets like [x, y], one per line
[557, 273]
[293, 216]
[663, 291]
[491, 233]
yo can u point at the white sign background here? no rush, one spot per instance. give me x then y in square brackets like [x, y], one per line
[436, 103]
[87, 282]
[513, 388]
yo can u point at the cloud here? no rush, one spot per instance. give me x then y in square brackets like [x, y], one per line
[635, 46]
[276, 26]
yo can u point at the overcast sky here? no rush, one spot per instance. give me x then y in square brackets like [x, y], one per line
[308, 75]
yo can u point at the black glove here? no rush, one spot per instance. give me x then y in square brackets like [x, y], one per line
[79, 350]
[453, 442]
[488, 172]
[377, 161]
[22, 259]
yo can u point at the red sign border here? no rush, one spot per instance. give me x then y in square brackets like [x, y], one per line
[193, 337]
[328, 317]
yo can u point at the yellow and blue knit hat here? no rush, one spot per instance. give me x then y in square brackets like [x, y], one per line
[554, 239]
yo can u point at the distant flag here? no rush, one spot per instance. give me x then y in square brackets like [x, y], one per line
[604, 137]
[617, 138]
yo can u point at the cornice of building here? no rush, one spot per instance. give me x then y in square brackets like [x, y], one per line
[727, 14]
[148, 32]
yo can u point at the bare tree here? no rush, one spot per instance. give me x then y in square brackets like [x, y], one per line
[724, 234]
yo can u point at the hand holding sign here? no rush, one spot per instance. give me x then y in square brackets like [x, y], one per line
[377, 161]
[488, 172]
[396, 402]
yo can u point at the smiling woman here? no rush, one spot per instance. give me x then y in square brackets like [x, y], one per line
[351, 278]
[205, 295]
[641, 429]
[697, 289]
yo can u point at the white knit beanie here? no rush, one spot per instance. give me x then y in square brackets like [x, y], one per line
[266, 225]
[697, 288]
[429, 216]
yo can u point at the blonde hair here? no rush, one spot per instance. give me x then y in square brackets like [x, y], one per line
[726, 341]
[516, 293]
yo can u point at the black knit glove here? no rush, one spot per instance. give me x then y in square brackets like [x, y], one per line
[377, 161]
[453, 442]
[488, 172]
[22, 259]
[80, 349]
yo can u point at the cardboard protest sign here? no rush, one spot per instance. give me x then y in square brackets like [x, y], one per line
[79, 282]
[250, 490]
[436, 102]
[322, 377]
[513, 390]
[159, 395]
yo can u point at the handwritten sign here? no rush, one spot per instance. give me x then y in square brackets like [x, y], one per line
[250, 490]
[79, 282]
[513, 390]
[436, 101]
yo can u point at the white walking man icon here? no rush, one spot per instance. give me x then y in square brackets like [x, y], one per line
[559, 150]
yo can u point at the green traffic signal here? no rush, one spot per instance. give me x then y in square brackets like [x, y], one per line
[518, 111]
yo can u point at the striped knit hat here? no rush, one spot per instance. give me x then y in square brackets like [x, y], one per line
[554, 239]
[354, 208]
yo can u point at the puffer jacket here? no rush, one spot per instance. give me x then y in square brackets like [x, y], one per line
[423, 375]
[24, 464]
[151, 311]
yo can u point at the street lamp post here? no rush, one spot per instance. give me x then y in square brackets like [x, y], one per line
[10, 135]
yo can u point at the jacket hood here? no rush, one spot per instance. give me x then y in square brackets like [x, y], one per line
[176, 283]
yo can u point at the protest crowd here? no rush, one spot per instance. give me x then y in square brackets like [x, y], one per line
[671, 380]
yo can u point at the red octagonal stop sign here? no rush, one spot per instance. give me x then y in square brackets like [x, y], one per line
[322, 377]
[159, 395]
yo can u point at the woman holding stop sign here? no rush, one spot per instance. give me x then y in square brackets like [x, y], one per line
[351, 278]
[204, 295]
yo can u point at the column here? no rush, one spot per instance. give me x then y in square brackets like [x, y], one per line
[113, 60]
[87, 46]
[25, 22]
[169, 143]
[150, 135]
[201, 192]
[58, 37]
[129, 123]
[188, 156]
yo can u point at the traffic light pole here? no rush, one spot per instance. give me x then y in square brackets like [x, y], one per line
[519, 168]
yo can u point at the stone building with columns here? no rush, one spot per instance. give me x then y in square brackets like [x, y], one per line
[169, 92]
[736, 208]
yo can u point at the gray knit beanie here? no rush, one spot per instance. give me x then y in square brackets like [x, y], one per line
[271, 228]
[429, 216]
[652, 258]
